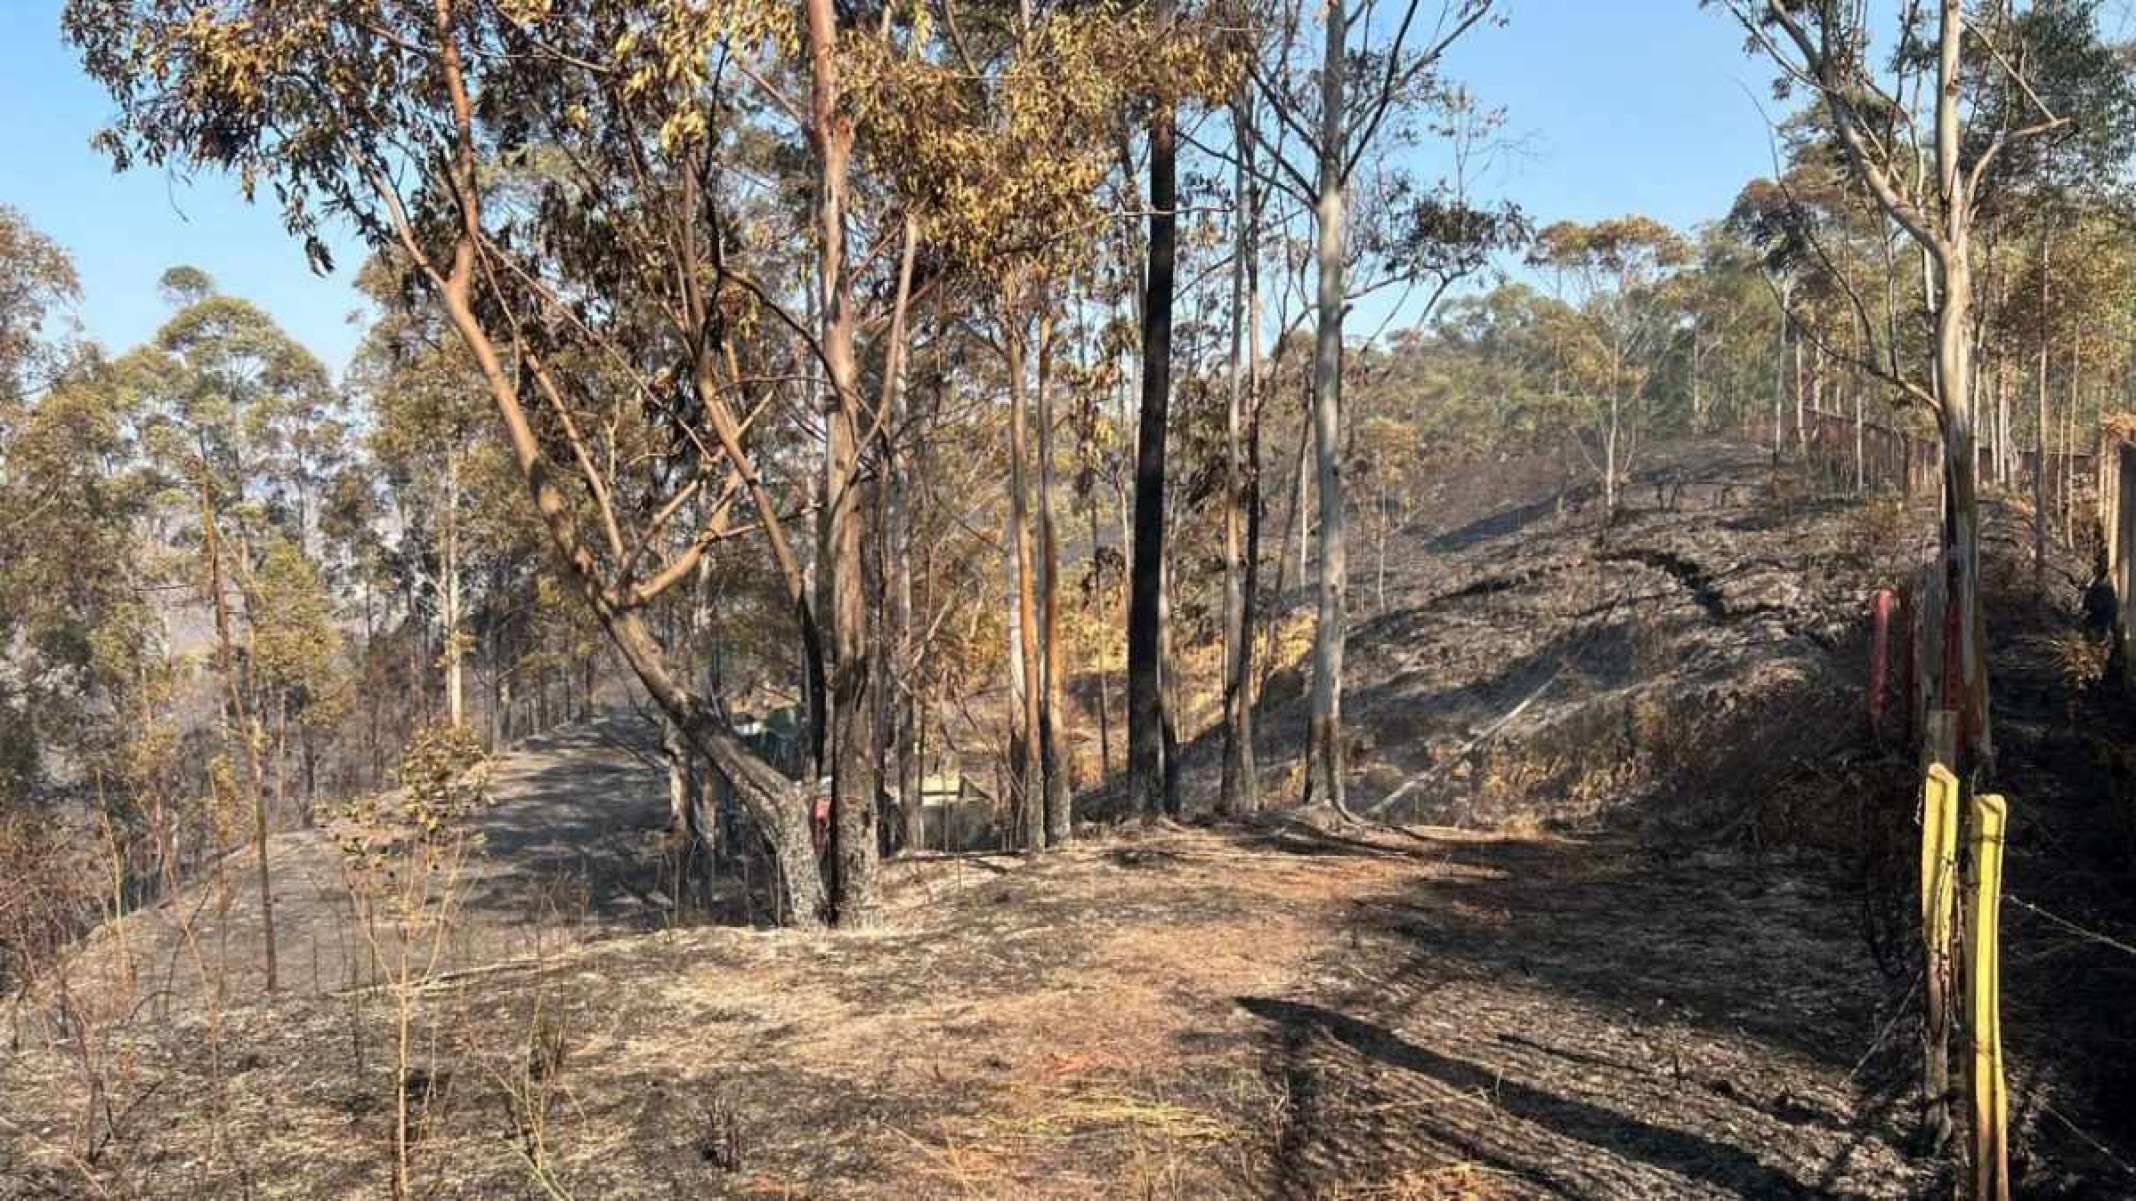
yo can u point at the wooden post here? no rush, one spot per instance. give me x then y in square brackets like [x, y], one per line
[1991, 1101]
[1939, 903]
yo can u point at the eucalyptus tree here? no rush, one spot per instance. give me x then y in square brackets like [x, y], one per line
[222, 388]
[429, 419]
[89, 739]
[2041, 189]
[1925, 137]
[612, 305]
[75, 641]
[1732, 335]
[1147, 720]
[999, 143]
[1613, 274]
[1238, 788]
[1319, 132]
[37, 285]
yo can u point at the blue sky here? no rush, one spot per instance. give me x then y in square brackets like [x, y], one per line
[1620, 106]
[123, 230]
[1624, 106]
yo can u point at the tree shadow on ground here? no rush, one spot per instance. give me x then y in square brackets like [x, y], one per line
[573, 834]
[1608, 1133]
[1597, 1020]
[1707, 997]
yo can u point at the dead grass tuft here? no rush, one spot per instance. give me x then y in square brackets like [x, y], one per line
[2079, 659]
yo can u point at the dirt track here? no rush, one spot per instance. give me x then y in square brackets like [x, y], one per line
[1190, 1015]
[1633, 974]
[566, 851]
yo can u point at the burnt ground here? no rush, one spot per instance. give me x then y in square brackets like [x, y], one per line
[2064, 760]
[567, 850]
[1640, 943]
[1269, 1011]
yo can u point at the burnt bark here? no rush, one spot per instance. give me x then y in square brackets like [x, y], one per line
[1147, 720]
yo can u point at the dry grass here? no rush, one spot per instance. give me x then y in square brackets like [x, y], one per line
[1263, 1010]
[2081, 660]
[1059, 1029]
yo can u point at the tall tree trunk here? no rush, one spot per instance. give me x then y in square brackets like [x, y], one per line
[455, 654]
[1293, 535]
[1030, 767]
[855, 891]
[372, 696]
[902, 693]
[240, 726]
[777, 805]
[1104, 678]
[1168, 682]
[682, 824]
[2039, 437]
[281, 749]
[2069, 448]
[1967, 685]
[1298, 528]
[1325, 736]
[418, 679]
[1146, 718]
[1780, 368]
[1053, 718]
[2005, 446]
[1256, 393]
[1239, 791]
[1802, 433]
[1698, 397]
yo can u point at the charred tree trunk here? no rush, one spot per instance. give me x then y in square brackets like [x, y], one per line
[1053, 718]
[1146, 717]
[1239, 791]
[1104, 678]
[1029, 719]
[855, 893]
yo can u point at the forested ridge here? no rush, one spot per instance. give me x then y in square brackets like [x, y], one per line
[932, 600]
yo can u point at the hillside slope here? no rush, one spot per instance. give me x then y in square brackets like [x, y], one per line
[1626, 959]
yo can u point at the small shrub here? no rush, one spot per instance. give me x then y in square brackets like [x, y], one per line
[2081, 660]
[444, 778]
[405, 854]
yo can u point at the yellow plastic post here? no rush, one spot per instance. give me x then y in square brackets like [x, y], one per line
[1983, 954]
[1939, 903]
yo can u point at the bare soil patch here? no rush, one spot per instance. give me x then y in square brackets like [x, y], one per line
[1194, 1013]
[1651, 944]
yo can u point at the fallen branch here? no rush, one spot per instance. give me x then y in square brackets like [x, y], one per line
[441, 979]
[1435, 769]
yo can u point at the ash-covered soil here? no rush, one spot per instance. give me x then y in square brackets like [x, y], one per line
[1523, 662]
[1271, 1010]
[1645, 940]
